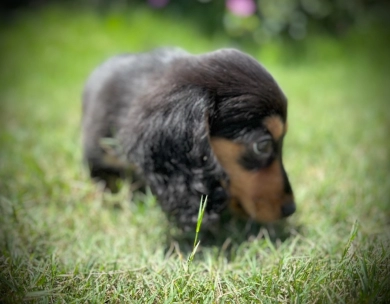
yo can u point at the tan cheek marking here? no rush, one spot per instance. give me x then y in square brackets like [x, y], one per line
[260, 193]
[275, 126]
[269, 194]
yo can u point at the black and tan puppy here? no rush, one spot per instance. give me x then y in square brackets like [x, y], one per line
[211, 125]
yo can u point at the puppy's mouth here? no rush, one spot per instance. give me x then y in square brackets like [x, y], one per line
[262, 211]
[237, 208]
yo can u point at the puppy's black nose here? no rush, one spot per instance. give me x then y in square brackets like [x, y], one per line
[288, 209]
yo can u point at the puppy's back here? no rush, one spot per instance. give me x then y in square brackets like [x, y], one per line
[123, 78]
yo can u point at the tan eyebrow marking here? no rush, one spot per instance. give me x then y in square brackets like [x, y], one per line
[275, 126]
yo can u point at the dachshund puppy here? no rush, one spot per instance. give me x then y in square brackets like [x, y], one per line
[211, 124]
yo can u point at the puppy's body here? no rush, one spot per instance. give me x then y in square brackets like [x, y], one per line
[189, 125]
[109, 94]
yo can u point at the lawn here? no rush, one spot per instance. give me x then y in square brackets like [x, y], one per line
[63, 240]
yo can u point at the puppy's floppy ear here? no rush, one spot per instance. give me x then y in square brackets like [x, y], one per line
[171, 145]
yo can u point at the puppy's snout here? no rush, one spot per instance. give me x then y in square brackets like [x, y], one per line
[288, 208]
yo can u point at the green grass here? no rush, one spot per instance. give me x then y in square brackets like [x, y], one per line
[63, 240]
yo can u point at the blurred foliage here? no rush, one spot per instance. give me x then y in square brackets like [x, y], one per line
[247, 21]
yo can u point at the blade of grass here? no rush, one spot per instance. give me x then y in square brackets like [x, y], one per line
[202, 208]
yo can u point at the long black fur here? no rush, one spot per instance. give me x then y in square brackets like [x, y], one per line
[162, 107]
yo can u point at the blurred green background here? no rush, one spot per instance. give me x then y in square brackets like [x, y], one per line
[246, 21]
[332, 59]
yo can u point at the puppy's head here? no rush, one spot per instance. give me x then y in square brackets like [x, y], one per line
[258, 184]
[247, 125]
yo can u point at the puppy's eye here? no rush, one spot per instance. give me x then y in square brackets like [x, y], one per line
[263, 148]
[258, 155]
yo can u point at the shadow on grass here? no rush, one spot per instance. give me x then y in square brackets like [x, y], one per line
[223, 238]
[230, 233]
